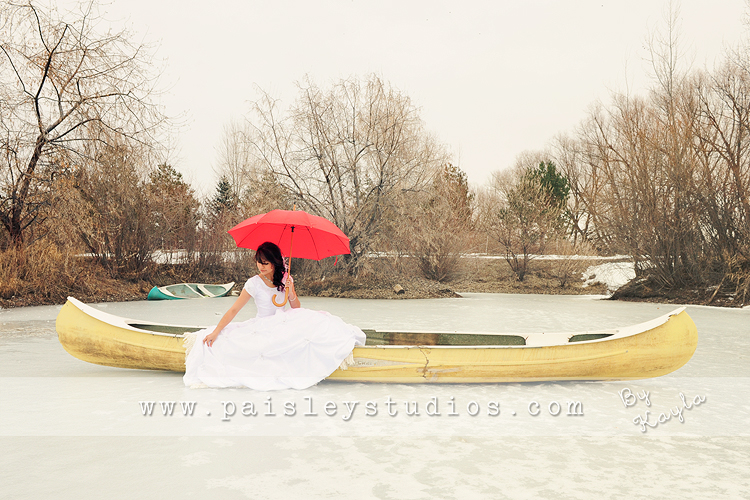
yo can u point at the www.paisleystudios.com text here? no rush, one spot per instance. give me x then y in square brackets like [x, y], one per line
[346, 410]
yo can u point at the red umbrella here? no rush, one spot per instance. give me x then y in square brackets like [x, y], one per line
[314, 237]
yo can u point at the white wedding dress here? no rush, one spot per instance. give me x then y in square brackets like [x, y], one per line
[278, 349]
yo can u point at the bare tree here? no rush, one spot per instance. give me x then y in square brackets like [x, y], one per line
[235, 163]
[253, 186]
[571, 155]
[723, 132]
[642, 153]
[666, 179]
[346, 153]
[434, 227]
[63, 82]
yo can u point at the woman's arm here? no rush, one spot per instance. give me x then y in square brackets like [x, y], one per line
[228, 317]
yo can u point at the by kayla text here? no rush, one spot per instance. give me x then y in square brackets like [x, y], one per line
[647, 419]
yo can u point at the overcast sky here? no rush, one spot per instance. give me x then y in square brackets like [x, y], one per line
[491, 78]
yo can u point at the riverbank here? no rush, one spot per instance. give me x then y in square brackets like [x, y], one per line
[488, 275]
[547, 275]
[478, 275]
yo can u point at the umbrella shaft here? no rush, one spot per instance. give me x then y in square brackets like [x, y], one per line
[291, 240]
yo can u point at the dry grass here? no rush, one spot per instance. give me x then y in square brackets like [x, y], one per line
[552, 277]
[473, 275]
[47, 275]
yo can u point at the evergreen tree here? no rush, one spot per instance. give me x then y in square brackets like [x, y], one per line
[224, 200]
[554, 183]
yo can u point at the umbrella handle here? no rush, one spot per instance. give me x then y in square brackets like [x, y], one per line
[289, 273]
[286, 298]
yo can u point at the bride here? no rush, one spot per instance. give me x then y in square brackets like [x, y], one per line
[279, 348]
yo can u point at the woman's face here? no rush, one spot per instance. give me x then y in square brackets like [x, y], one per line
[265, 268]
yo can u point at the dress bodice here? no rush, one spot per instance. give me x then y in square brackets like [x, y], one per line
[262, 296]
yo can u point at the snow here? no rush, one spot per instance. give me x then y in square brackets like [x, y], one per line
[612, 274]
[73, 430]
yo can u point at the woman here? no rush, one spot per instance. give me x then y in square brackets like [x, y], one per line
[278, 349]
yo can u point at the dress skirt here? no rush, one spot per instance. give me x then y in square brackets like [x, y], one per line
[290, 349]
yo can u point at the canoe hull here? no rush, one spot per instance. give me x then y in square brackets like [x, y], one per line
[96, 337]
[156, 294]
[91, 339]
[653, 353]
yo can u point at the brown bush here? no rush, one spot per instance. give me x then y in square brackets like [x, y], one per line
[431, 230]
[568, 266]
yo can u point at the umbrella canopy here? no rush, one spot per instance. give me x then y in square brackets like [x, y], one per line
[314, 237]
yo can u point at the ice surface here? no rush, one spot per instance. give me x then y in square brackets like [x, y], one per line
[70, 429]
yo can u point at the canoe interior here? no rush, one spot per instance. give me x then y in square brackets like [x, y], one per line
[184, 290]
[214, 289]
[378, 337]
[189, 291]
[582, 337]
[174, 330]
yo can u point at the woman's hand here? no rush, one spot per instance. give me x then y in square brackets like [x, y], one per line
[228, 316]
[293, 299]
[209, 339]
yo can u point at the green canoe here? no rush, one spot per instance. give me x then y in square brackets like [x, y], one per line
[189, 291]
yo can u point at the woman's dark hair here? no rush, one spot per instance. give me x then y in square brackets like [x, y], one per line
[271, 253]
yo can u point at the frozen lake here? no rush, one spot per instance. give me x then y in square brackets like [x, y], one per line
[76, 430]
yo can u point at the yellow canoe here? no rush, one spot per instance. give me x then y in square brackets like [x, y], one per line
[647, 350]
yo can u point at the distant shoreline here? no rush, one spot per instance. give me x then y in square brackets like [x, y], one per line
[480, 274]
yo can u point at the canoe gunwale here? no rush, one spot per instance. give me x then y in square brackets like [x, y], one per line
[126, 323]
[537, 339]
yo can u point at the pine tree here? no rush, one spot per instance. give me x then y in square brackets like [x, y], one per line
[224, 200]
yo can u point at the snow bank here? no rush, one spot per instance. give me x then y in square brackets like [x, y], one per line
[612, 274]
